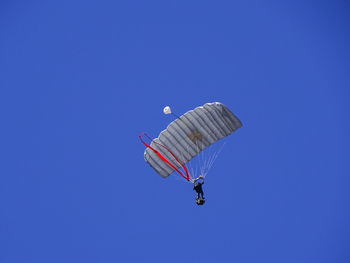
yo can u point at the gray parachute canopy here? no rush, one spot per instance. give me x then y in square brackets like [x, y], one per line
[190, 134]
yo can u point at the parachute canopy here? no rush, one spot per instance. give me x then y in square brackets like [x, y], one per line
[188, 135]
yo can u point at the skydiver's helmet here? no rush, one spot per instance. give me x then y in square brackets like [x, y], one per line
[200, 201]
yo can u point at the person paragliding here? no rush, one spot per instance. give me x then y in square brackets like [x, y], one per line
[187, 137]
[197, 186]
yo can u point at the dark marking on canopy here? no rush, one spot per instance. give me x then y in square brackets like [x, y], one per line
[195, 136]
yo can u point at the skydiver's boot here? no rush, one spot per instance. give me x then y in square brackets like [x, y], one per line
[200, 201]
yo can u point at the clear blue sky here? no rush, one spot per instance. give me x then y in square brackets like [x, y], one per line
[80, 79]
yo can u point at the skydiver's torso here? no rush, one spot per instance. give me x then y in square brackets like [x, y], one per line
[198, 187]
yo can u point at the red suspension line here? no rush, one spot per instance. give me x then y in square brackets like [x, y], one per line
[186, 175]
